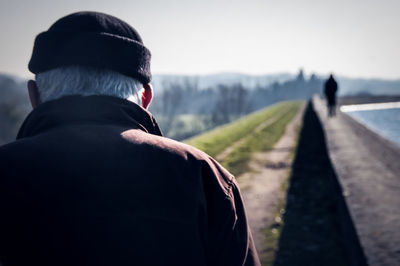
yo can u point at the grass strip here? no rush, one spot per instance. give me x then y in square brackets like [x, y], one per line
[237, 161]
[217, 140]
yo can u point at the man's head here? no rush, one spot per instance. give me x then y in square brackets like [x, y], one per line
[90, 53]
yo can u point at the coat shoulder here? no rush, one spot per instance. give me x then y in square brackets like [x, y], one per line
[163, 147]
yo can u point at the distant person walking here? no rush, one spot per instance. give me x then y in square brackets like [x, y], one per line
[331, 88]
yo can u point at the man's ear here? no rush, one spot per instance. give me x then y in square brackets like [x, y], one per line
[33, 93]
[147, 95]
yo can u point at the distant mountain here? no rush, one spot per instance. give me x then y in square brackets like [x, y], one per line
[228, 78]
[359, 86]
[347, 86]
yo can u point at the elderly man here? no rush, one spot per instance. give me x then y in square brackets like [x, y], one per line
[91, 181]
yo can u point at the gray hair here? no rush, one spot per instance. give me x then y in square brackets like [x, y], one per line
[86, 81]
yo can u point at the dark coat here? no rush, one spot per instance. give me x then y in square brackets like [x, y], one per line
[330, 89]
[91, 181]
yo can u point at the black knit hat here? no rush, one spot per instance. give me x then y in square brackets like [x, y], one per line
[92, 39]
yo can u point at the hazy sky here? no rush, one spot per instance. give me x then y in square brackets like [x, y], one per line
[357, 38]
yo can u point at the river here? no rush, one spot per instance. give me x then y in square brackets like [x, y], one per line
[384, 119]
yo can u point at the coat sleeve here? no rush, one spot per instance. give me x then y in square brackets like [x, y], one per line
[230, 241]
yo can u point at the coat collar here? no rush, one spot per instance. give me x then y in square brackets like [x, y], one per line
[72, 110]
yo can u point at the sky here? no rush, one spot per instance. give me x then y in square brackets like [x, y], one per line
[355, 38]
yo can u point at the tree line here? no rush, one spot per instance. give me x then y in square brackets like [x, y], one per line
[184, 110]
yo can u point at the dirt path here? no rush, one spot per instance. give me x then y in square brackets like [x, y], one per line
[261, 188]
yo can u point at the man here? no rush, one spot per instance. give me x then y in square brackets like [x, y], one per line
[330, 90]
[91, 181]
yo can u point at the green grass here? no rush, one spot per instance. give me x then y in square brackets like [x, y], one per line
[216, 141]
[264, 140]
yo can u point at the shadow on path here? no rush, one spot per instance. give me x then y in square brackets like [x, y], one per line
[312, 233]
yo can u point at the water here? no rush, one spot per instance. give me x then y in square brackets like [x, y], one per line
[385, 122]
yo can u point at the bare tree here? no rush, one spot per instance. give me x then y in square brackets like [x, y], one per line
[233, 102]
